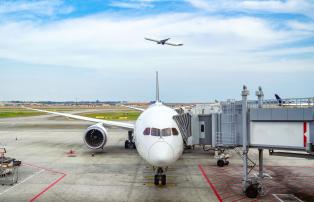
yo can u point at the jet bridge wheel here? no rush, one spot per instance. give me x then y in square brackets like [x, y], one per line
[252, 191]
[222, 162]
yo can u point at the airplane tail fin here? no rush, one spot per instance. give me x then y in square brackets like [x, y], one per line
[278, 99]
[157, 88]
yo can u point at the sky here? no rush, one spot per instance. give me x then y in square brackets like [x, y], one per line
[95, 50]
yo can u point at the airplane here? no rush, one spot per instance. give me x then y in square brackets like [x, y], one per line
[157, 137]
[163, 42]
[294, 102]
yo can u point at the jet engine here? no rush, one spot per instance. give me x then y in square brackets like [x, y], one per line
[95, 136]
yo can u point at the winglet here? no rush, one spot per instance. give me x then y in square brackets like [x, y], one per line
[157, 87]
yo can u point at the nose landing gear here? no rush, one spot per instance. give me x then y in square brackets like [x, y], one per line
[160, 177]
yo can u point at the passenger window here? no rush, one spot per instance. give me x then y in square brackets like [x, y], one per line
[175, 131]
[166, 132]
[155, 132]
[146, 131]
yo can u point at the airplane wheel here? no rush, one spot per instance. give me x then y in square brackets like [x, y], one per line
[126, 144]
[156, 180]
[251, 191]
[220, 163]
[163, 180]
[131, 145]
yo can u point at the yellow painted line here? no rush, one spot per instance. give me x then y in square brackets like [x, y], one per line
[152, 177]
[150, 184]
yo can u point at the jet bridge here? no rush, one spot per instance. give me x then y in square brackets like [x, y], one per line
[271, 127]
[262, 124]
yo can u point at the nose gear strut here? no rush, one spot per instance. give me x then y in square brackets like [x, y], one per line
[160, 176]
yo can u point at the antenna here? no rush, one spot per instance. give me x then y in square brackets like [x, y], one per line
[157, 87]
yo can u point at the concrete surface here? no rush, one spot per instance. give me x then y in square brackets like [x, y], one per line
[116, 174]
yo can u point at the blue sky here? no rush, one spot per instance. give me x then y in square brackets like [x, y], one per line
[88, 50]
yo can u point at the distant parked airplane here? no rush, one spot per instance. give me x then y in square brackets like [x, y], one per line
[163, 42]
[292, 102]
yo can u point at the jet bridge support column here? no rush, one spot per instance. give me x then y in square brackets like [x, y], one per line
[260, 96]
[245, 93]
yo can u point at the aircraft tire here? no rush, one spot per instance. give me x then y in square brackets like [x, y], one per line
[156, 180]
[126, 144]
[163, 180]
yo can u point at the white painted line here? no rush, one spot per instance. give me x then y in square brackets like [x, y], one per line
[275, 195]
[29, 177]
[290, 195]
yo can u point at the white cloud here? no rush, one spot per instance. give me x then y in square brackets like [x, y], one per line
[304, 7]
[103, 42]
[134, 4]
[41, 7]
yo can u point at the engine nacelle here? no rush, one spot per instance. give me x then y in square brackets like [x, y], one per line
[95, 136]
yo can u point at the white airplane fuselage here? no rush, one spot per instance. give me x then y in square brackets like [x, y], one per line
[157, 136]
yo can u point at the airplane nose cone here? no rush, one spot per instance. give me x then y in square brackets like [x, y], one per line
[161, 154]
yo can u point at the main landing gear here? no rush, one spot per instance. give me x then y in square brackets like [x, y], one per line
[129, 143]
[160, 177]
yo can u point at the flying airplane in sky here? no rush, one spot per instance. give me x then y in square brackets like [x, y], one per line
[163, 42]
[156, 135]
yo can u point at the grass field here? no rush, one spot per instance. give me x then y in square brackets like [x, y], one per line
[17, 112]
[114, 115]
[118, 115]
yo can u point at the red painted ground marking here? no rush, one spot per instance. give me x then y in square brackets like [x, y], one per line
[209, 182]
[47, 169]
[239, 199]
[47, 188]
[229, 196]
[50, 185]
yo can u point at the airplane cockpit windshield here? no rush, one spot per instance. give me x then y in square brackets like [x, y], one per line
[166, 132]
[155, 132]
[160, 132]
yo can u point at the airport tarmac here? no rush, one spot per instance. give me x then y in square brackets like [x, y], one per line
[116, 174]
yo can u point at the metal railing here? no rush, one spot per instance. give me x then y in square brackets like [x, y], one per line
[284, 103]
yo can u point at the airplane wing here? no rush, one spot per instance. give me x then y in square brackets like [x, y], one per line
[136, 108]
[173, 44]
[152, 40]
[127, 126]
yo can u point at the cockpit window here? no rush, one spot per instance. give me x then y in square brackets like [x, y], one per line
[146, 131]
[166, 132]
[175, 131]
[155, 132]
